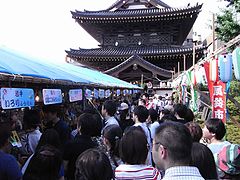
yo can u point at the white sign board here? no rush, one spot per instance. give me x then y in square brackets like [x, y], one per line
[88, 93]
[107, 93]
[12, 98]
[52, 96]
[96, 94]
[118, 92]
[75, 95]
[101, 93]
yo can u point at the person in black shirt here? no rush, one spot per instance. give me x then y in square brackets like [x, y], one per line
[87, 124]
[53, 121]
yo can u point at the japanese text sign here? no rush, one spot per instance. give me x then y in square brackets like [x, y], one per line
[107, 93]
[75, 95]
[88, 93]
[118, 92]
[217, 96]
[52, 96]
[101, 93]
[96, 94]
[17, 98]
[219, 101]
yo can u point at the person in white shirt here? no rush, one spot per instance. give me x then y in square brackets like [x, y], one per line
[31, 135]
[172, 146]
[140, 115]
[109, 109]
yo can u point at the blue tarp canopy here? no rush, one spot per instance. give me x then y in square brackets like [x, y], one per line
[96, 76]
[15, 63]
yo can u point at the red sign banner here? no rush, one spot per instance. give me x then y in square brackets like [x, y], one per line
[217, 95]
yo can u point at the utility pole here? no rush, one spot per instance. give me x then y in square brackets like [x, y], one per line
[213, 32]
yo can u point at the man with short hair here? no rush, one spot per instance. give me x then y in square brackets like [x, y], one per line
[87, 126]
[109, 109]
[172, 152]
[180, 111]
[53, 121]
[140, 115]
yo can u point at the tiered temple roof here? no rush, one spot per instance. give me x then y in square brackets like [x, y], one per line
[149, 33]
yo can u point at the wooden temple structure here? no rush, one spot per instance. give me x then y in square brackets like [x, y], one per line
[138, 38]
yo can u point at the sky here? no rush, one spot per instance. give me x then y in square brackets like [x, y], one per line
[45, 28]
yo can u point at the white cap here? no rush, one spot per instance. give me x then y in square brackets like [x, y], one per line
[123, 106]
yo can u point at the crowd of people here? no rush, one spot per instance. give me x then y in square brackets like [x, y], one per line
[148, 138]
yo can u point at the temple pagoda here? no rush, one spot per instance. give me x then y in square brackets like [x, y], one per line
[138, 38]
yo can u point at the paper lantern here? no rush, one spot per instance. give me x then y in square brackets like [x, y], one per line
[198, 75]
[213, 70]
[225, 67]
[193, 77]
[236, 62]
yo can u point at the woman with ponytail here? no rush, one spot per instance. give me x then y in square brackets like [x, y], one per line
[111, 137]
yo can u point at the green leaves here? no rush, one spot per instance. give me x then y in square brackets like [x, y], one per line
[228, 25]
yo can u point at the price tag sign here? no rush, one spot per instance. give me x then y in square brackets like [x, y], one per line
[12, 98]
[118, 92]
[75, 95]
[88, 93]
[107, 93]
[130, 91]
[52, 96]
[101, 93]
[96, 94]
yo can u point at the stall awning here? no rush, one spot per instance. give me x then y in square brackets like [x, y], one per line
[15, 63]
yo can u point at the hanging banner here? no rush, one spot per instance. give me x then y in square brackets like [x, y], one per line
[217, 96]
[107, 93]
[219, 101]
[52, 96]
[75, 95]
[118, 92]
[88, 93]
[96, 94]
[12, 98]
[101, 93]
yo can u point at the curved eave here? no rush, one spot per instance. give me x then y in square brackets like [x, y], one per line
[141, 61]
[126, 52]
[138, 13]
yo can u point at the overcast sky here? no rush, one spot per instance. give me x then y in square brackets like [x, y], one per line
[45, 28]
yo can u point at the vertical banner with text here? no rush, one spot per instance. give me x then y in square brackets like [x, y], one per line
[217, 95]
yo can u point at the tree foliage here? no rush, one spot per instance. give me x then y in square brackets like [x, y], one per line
[234, 92]
[228, 26]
